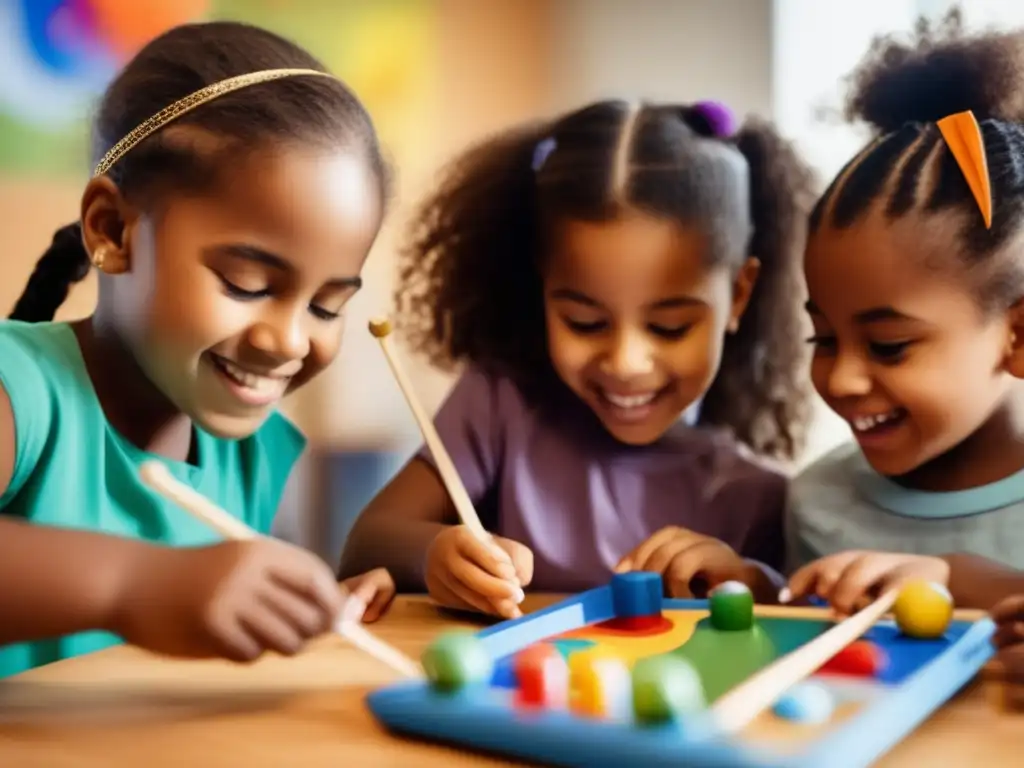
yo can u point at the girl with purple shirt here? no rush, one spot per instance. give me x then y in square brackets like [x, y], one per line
[622, 286]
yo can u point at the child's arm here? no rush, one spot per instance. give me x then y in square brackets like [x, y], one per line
[57, 582]
[400, 523]
[50, 584]
[233, 600]
[411, 529]
[978, 582]
[397, 527]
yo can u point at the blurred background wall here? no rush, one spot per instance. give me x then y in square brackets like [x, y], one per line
[436, 75]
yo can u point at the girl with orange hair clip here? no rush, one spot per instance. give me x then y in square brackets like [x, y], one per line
[915, 281]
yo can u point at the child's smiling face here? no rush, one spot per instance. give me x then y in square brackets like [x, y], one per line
[904, 351]
[232, 298]
[636, 320]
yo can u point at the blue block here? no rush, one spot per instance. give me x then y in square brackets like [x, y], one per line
[637, 593]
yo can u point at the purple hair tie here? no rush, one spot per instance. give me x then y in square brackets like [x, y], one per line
[541, 152]
[718, 117]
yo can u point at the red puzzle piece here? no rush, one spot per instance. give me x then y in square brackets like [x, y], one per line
[542, 675]
[861, 658]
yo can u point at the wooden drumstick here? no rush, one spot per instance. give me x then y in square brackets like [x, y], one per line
[381, 329]
[739, 706]
[159, 478]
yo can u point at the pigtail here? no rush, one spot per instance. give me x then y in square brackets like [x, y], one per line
[760, 392]
[64, 263]
[479, 229]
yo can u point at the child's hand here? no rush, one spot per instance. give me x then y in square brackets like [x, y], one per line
[463, 572]
[368, 595]
[681, 556]
[849, 581]
[1008, 615]
[233, 600]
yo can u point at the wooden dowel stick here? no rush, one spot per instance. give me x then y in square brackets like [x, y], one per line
[381, 329]
[159, 478]
[741, 705]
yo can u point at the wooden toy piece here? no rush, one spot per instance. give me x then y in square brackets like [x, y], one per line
[637, 593]
[381, 330]
[599, 685]
[861, 658]
[637, 598]
[159, 478]
[808, 703]
[456, 660]
[732, 606]
[923, 609]
[542, 677]
[666, 688]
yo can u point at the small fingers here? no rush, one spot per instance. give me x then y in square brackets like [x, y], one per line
[659, 559]
[235, 643]
[1008, 634]
[522, 560]
[637, 558]
[860, 582]
[483, 583]
[272, 631]
[1009, 609]
[474, 600]
[686, 566]
[819, 577]
[370, 596]
[489, 557]
[309, 577]
[307, 617]
[641, 556]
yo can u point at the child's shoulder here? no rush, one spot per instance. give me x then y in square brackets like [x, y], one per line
[45, 345]
[489, 402]
[834, 468]
[489, 387]
[38, 362]
[723, 455]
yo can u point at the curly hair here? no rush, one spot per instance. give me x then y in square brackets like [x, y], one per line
[179, 62]
[900, 89]
[470, 285]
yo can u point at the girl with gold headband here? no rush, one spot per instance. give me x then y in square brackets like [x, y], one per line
[915, 274]
[237, 191]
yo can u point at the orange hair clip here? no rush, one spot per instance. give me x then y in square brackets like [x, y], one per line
[963, 137]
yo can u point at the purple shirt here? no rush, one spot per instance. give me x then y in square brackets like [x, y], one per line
[556, 481]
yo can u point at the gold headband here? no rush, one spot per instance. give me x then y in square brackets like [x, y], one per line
[187, 104]
[963, 137]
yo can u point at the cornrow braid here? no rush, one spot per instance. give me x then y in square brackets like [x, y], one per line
[902, 89]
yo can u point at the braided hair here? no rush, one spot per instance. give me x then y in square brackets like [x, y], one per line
[181, 61]
[901, 89]
[64, 263]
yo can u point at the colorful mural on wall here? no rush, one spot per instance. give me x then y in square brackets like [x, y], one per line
[56, 56]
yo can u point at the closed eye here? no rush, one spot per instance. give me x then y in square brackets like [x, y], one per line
[242, 294]
[323, 314]
[823, 343]
[595, 326]
[671, 332]
[889, 351]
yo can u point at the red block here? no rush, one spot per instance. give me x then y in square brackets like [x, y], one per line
[636, 625]
[542, 677]
[861, 658]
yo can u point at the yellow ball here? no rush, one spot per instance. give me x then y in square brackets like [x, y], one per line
[923, 609]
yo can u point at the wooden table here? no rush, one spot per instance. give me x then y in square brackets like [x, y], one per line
[123, 707]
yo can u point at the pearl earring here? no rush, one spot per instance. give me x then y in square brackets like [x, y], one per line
[99, 257]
